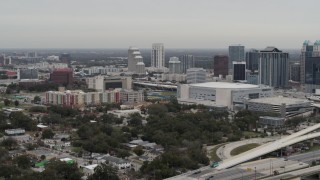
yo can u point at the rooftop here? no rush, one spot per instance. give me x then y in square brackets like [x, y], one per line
[279, 100]
[115, 160]
[270, 49]
[225, 85]
[91, 167]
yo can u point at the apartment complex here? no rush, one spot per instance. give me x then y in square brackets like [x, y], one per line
[79, 98]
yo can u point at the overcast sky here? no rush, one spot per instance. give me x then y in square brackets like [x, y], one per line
[176, 23]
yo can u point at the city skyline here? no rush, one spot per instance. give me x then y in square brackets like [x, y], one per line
[178, 24]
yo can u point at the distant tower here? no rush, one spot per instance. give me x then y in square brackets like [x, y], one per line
[252, 60]
[274, 67]
[135, 61]
[236, 53]
[295, 72]
[220, 65]
[310, 66]
[65, 58]
[239, 71]
[157, 55]
[187, 62]
[140, 68]
[174, 65]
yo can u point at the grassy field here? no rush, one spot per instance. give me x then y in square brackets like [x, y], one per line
[243, 148]
[251, 134]
[213, 153]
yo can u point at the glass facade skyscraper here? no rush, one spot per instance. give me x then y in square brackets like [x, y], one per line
[274, 67]
[310, 66]
[236, 53]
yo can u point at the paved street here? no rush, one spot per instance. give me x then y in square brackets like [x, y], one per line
[224, 152]
[260, 168]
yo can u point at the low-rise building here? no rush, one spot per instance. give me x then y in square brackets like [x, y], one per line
[271, 121]
[88, 170]
[285, 107]
[174, 77]
[94, 70]
[118, 162]
[131, 96]
[124, 113]
[14, 132]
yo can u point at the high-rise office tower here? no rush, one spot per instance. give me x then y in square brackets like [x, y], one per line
[295, 72]
[65, 58]
[239, 71]
[187, 62]
[252, 60]
[174, 65]
[236, 53]
[220, 65]
[274, 67]
[157, 55]
[135, 61]
[310, 66]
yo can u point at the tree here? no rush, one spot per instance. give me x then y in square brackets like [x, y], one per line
[20, 120]
[47, 134]
[16, 103]
[104, 171]
[61, 170]
[135, 119]
[37, 99]
[23, 161]
[9, 143]
[138, 150]
[157, 109]
[6, 102]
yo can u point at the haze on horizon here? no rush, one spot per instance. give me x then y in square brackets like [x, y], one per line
[176, 23]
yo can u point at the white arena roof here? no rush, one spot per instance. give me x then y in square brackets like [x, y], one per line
[225, 85]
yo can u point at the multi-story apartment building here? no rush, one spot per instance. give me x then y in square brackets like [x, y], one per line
[79, 98]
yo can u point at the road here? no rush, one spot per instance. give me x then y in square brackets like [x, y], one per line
[224, 152]
[259, 169]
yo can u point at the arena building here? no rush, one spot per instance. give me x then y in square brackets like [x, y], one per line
[231, 95]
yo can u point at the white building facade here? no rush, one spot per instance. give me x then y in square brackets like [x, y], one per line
[226, 94]
[157, 55]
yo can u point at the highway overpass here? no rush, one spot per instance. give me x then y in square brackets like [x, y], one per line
[296, 174]
[270, 147]
[156, 85]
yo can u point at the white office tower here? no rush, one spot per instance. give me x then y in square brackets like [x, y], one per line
[140, 67]
[157, 55]
[135, 61]
[174, 65]
[196, 75]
